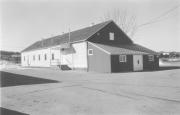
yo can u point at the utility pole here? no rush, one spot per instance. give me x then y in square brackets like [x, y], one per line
[69, 36]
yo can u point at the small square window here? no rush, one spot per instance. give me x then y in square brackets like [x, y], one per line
[90, 52]
[111, 36]
[151, 57]
[122, 58]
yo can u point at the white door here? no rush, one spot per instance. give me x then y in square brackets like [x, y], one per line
[137, 62]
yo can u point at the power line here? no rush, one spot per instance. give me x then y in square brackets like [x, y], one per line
[157, 19]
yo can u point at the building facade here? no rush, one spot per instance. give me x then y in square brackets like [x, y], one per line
[101, 48]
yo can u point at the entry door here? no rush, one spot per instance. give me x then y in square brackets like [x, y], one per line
[137, 62]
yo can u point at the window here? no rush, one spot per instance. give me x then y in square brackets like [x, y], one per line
[45, 56]
[34, 57]
[122, 58]
[39, 56]
[52, 56]
[24, 58]
[111, 36]
[151, 57]
[90, 52]
[62, 49]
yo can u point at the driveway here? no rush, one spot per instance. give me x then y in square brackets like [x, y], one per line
[46, 91]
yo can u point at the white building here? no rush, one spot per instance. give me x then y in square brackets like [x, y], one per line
[103, 47]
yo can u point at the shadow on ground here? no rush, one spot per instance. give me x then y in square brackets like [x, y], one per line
[165, 68]
[169, 68]
[153, 70]
[11, 79]
[4, 111]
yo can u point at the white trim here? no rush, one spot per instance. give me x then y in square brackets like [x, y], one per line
[122, 58]
[99, 48]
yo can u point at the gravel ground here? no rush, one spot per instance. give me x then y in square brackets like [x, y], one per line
[81, 93]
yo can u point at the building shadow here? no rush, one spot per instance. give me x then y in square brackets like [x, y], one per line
[169, 68]
[152, 69]
[11, 79]
[164, 68]
[4, 111]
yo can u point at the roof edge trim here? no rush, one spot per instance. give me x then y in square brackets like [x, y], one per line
[100, 48]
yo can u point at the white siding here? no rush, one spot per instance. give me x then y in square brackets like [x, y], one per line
[56, 60]
[75, 60]
[29, 61]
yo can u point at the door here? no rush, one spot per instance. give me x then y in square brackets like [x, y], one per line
[137, 62]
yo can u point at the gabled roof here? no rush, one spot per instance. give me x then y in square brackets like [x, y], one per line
[125, 49]
[78, 35]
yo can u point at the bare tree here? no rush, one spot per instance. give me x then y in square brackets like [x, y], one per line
[123, 19]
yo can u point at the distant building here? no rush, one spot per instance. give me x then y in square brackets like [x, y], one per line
[102, 47]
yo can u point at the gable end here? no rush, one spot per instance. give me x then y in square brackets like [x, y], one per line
[103, 35]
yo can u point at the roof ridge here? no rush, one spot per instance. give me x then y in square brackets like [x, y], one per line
[100, 28]
[61, 39]
[81, 29]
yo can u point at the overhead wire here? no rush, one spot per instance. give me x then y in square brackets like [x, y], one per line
[157, 19]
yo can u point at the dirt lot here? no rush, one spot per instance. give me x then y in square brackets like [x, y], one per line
[44, 91]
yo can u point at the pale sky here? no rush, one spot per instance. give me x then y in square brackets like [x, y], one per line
[24, 22]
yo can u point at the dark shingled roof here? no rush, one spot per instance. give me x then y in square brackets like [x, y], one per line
[125, 49]
[84, 34]
[78, 35]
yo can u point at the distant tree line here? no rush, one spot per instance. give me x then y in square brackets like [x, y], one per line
[14, 57]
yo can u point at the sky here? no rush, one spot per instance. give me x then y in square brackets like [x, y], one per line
[24, 22]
